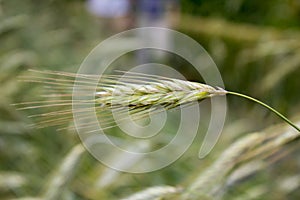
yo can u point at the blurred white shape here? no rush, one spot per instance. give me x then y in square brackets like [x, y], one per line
[108, 8]
[110, 175]
[290, 184]
[156, 192]
[11, 181]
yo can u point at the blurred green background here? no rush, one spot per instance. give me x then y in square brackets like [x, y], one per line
[255, 44]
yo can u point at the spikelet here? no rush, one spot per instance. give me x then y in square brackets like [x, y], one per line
[134, 93]
[168, 93]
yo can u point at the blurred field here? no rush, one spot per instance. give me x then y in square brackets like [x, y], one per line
[256, 46]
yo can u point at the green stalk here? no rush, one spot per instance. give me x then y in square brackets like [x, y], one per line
[266, 106]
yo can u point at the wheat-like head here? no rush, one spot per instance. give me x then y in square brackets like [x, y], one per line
[134, 93]
[165, 92]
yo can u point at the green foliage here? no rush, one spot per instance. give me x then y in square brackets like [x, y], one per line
[277, 13]
[57, 35]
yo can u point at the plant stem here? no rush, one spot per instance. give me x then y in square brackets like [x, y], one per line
[266, 106]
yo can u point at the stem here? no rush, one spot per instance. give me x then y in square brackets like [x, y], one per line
[266, 106]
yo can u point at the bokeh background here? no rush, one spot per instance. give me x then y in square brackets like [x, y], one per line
[256, 46]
